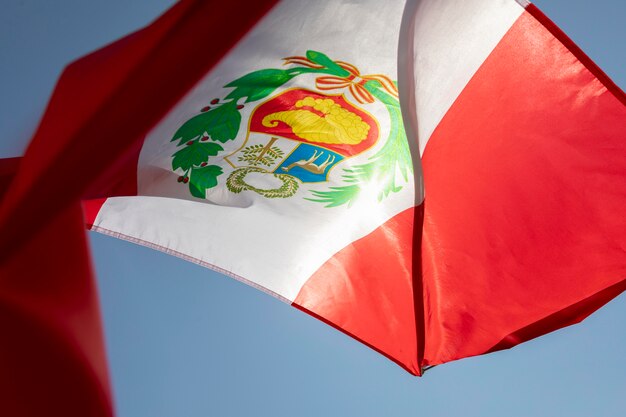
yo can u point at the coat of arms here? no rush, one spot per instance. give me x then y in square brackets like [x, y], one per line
[296, 136]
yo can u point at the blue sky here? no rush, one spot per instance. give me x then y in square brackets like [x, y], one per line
[184, 341]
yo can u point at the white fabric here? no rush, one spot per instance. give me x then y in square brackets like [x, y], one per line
[451, 39]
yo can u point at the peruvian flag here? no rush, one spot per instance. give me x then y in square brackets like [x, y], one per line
[445, 179]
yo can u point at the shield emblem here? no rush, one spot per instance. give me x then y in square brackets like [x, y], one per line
[304, 134]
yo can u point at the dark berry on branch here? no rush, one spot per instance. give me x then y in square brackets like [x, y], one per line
[206, 108]
[239, 107]
[186, 180]
[215, 101]
[190, 143]
[180, 179]
[203, 164]
[204, 138]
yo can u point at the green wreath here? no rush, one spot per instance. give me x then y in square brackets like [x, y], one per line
[236, 183]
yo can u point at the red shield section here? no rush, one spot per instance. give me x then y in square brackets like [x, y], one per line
[287, 101]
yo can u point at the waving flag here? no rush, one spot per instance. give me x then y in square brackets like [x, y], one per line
[523, 171]
[290, 157]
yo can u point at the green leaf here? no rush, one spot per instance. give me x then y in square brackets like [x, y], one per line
[258, 84]
[194, 154]
[202, 179]
[321, 59]
[192, 128]
[223, 123]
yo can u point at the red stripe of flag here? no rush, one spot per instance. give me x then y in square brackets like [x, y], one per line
[525, 194]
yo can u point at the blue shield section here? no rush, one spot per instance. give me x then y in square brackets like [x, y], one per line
[309, 163]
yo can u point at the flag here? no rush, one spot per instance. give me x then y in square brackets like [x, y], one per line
[287, 165]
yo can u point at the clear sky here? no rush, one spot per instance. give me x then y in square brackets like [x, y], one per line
[184, 341]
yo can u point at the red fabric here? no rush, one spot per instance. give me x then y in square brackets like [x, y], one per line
[52, 360]
[576, 51]
[367, 290]
[525, 194]
[8, 169]
[91, 209]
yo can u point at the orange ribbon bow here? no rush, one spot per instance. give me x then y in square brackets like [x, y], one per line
[354, 82]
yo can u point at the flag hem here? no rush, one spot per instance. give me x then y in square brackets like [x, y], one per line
[578, 53]
[570, 315]
[188, 258]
